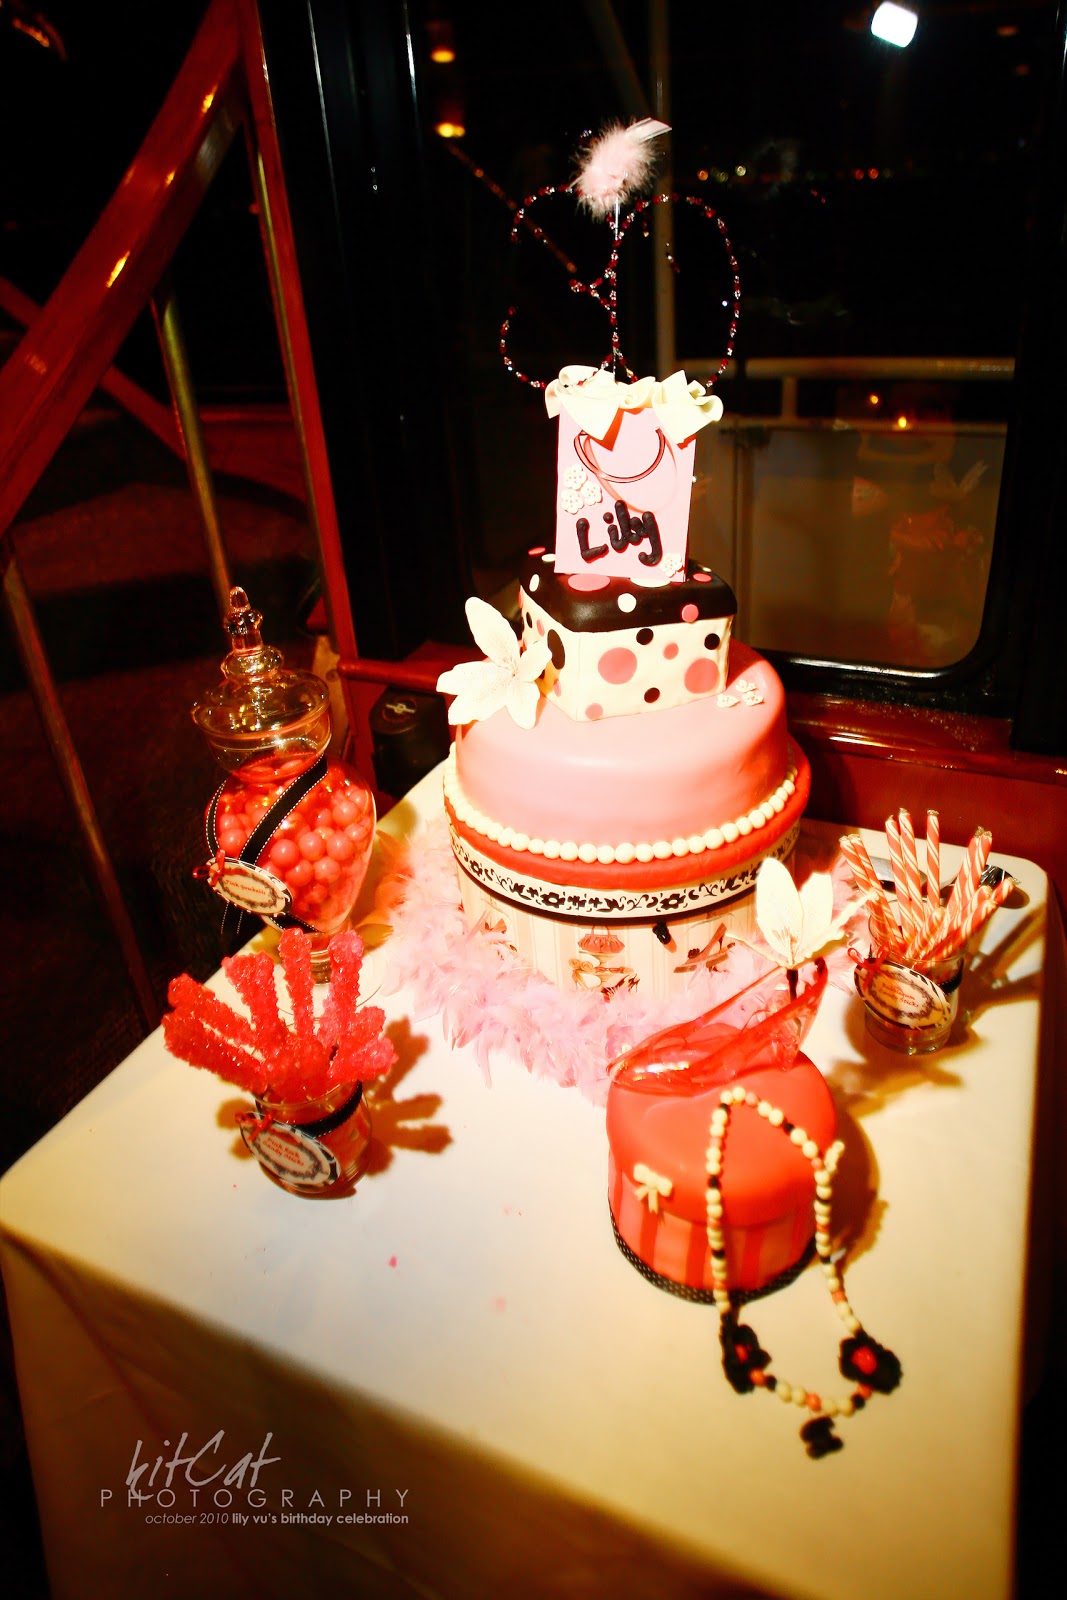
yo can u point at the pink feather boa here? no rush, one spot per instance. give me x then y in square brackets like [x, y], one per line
[488, 998]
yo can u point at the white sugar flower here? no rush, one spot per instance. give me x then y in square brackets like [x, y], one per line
[507, 678]
[797, 926]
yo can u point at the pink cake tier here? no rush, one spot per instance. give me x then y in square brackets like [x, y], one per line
[657, 1177]
[691, 779]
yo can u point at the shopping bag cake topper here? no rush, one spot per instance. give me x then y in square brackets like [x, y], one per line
[626, 447]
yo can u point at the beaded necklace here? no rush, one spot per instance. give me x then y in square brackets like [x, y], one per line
[868, 1364]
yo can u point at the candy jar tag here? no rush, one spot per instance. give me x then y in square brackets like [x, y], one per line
[289, 830]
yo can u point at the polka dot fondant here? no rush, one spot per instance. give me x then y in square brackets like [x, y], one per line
[594, 712]
[617, 665]
[555, 649]
[586, 582]
[711, 641]
[690, 613]
[702, 676]
[628, 602]
[645, 636]
[670, 651]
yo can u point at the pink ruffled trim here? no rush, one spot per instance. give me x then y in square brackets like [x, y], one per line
[488, 998]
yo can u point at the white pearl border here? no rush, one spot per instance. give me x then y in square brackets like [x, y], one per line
[607, 854]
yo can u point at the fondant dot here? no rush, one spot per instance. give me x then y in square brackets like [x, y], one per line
[670, 651]
[540, 627]
[594, 712]
[627, 602]
[586, 582]
[529, 620]
[651, 696]
[535, 582]
[555, 649]
[711, 641]
[702, 676]
[557, 687]
[536, 550]
[644, 636]
[617, 665]
[550, 557]
[689, 613]
[698, 577]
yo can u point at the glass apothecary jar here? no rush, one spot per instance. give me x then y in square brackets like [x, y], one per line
[289, 830]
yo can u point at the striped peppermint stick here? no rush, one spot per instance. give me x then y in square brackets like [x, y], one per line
[966, 885]
[908, 920]
[933, 866]
[883, 923]
[911, 868]
[981, 907]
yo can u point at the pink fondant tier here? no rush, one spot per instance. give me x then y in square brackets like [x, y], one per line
[626, 782]
[767, 1185]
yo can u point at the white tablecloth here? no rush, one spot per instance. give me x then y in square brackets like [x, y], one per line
[461, 1352]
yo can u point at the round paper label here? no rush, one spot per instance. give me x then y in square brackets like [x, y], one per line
[252, 889]
[293, 1156]
[910, 999]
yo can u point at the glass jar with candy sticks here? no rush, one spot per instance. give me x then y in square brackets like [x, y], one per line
[290, 829]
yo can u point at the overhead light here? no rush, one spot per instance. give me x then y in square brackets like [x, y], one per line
[895, 24]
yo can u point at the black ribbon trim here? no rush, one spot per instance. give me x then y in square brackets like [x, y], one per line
[267, 826]
[704, 1297]
[325, 1125]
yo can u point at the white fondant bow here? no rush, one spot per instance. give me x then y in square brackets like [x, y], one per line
[594, 399]
[651, 1185]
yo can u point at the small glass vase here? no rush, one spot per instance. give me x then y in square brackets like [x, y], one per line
[310, 1147]
[906, 1010]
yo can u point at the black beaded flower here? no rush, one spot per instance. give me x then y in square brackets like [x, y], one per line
[741, 1353]
[820, 1438]
[866, 1361]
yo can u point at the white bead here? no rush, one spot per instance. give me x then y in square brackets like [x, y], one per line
[764, 1108]
[729, 831]
[587, 853]
[852, 1323]
[568, 850]
[643, 852]
[847, 1406]
[757, 819]
[605, 855]
[800, 1396]
[552, 849]
[784, 1391]
[810, 1149]
[830, 1407]
[696, 844]
[714, 839]
[624, 853]
[744, 825]
[777, 1116]
[662, 850]
[520, 841]
[679, 847]
[798, 1136]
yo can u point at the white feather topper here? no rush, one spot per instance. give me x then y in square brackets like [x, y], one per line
[617, 165]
